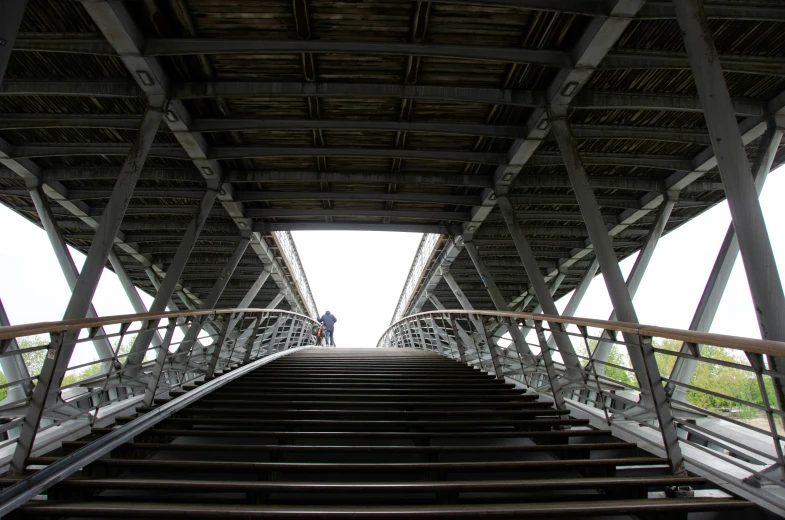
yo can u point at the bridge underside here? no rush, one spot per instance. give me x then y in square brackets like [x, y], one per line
[330, 433]
[407, 116]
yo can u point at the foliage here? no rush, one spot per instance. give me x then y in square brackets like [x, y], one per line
[35, 361]
[721, 379]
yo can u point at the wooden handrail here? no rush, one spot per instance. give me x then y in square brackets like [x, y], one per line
[757, 346]
[48, 327]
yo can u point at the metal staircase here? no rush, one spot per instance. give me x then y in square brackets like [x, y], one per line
[377, 433]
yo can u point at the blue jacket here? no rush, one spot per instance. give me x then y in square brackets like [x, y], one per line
[329, 321]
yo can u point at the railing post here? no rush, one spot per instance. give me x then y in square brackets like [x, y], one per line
[249, 341]
[458, 340]
[42, 396]
[550, 368]
[217, 347]
[494, 350]
[662, 407]
[160, 361]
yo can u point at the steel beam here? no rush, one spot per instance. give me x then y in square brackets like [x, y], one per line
[723, 266]
[578, 293]
[748, 222]
[603, 349]
[54, 368]
[163, 296]
[277, 300]
[14, 367]
[13, 11]
[536, 280]
[215, 293]
[643, 361]
[265, 227]
[130, 290]
[103, 348]
[663, 162]
[117, 26]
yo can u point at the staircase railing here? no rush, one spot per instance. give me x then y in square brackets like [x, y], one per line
[93, 392]
[706, 399]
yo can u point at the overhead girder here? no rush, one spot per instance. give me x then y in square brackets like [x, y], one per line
[619, 59]
[29, 151]
[468, 181]
[584, 131]
[38, 121]
[267, 196]
[229, 89]
[255, 176]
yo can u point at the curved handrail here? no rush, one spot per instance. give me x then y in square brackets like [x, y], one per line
[47, 327]
[757, 346]
[662, 386]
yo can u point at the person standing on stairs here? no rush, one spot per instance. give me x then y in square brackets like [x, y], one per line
[329, 325]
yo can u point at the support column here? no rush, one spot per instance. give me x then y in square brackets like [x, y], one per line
[643, 361]
[13, 11]
[756, 251]
[518, 339]
[723, 266]
[47, 389]
[103, 348]
[635, 277]
[216, 291]
[14, 367]
[541, 290]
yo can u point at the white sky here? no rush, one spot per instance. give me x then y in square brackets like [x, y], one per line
[359, 275]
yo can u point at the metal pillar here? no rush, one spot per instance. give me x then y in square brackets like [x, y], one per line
[103, 348]
[14, 367]
[635, 277]
[518, 339]
[498, 369]
[723, 266]
[171, 305]
[216, 292]
[48, 387]
[537, 281]
[13, 11]
[756, 252]
[643, 361]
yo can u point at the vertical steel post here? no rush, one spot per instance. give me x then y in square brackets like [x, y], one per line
[13, 12]
[643, 361]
